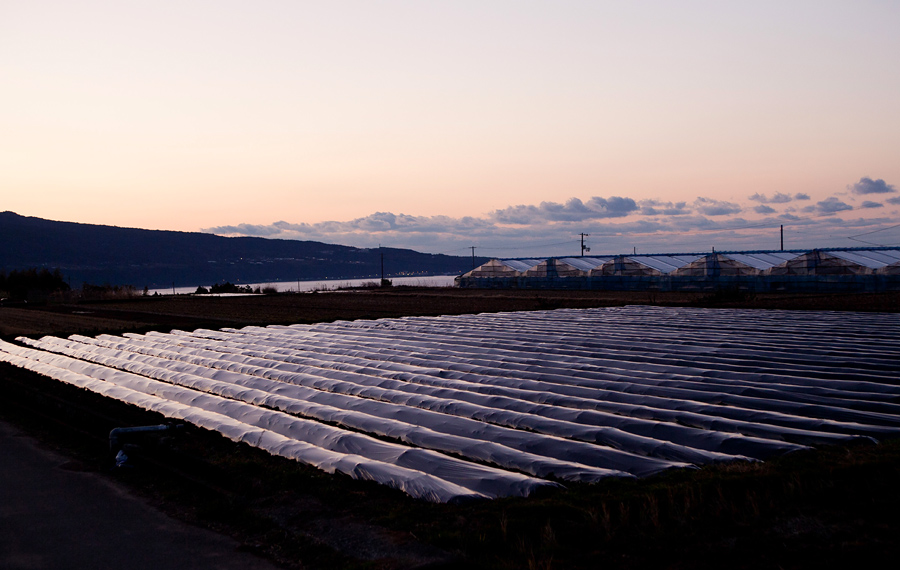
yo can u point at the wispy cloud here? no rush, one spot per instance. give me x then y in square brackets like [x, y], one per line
[660, 208]
[250, 230]
[379, 222]
[778, 198]
[870, 204]
[710, 207]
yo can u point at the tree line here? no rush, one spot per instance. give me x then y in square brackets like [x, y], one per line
[20, 285]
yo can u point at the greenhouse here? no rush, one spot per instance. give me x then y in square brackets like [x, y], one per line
[715, 265]
[500, 268]
[822, 270]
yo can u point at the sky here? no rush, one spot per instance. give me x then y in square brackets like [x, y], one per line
[508, 126]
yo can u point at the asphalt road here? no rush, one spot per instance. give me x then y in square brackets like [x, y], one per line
[53, 515]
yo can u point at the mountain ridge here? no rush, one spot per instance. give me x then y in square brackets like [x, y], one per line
[90, 253]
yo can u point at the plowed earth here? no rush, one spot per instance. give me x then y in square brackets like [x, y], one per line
[190, 312]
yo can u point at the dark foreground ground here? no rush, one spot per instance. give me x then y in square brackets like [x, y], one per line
[56, 514]
[832, 507]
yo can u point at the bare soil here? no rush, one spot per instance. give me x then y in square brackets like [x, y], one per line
[195, 311]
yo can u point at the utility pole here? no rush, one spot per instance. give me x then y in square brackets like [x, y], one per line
[473, 256]
[782, 237]
[583, 247]
[382, 265]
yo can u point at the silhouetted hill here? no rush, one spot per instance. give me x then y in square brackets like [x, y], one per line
[155, 258]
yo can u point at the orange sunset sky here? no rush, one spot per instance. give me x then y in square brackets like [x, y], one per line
[512, 126]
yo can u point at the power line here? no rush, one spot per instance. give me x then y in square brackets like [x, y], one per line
[449, 251]
[874, 231]
[531, 246]
[873, 243]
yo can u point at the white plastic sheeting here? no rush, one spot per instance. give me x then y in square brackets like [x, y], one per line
[492, 405]
[665, 263]
[873, 260]
[762, 260]
[586, 264]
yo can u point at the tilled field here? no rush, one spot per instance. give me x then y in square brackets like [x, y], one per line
[189, 312]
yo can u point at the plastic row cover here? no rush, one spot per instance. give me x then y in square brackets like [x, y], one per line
[572, 394]
[420, 473]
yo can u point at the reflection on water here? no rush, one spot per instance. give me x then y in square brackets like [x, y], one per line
[327, 284]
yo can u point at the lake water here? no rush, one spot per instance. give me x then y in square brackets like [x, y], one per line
[328, 284]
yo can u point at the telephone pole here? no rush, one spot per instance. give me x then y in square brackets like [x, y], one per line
[473, 256]
[583, 247]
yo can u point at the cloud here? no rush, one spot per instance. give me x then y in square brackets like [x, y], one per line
[828, 207]
[574, 210]
[710, 207]
[615, 206]
[869, 186]
[250, 230]
[778, 198]
[615, 224]
[659, 208]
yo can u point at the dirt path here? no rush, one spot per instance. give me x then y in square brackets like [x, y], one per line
[56, 514]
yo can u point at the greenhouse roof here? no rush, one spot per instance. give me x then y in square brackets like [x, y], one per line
[521, 264]
[665, 263]
[869, 258]
[585, 263]
[761, 261]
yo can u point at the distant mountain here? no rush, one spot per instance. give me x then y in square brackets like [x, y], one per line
[87, 253]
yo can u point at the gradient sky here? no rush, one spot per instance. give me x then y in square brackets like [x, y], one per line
[512, 126]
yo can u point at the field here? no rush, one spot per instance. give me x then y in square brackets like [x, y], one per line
[809, 508]
[190, 312]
